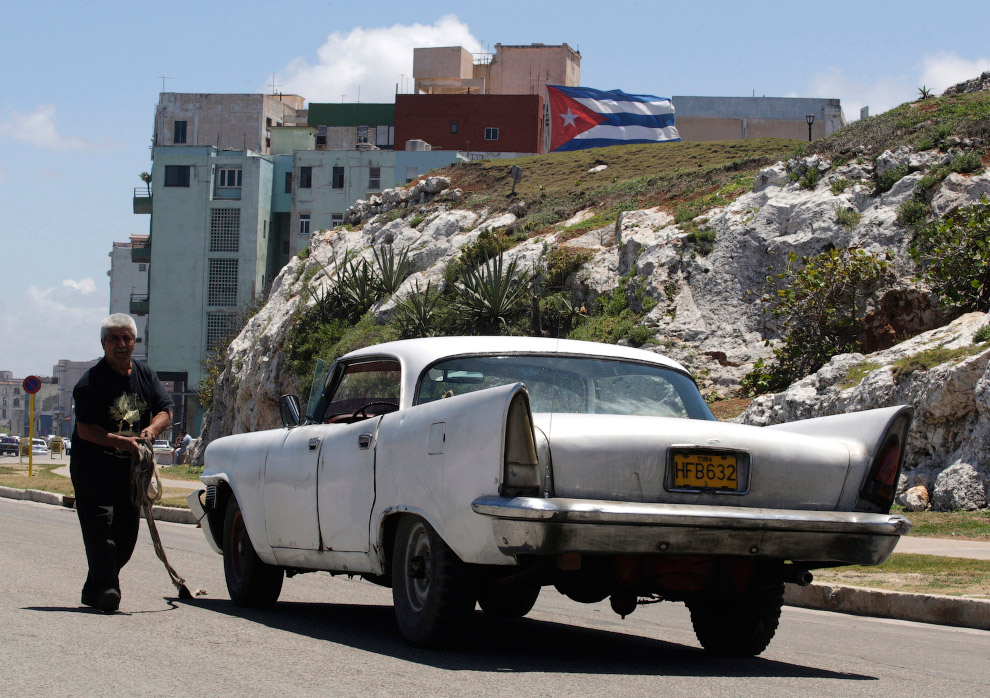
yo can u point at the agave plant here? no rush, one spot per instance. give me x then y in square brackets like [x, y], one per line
[491, 294]
[392, 269]
[357, 286]
[417, 315]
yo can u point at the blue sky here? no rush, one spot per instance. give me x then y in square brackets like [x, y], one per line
[81, 81]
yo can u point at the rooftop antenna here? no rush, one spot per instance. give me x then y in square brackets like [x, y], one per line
[164, 78]
[342, 98]
[274, 85]
[359, 94]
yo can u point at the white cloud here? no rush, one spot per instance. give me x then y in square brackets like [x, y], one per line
[49, 324]
[371, 61]
[936, 72]
[947, 69]
[37, 128]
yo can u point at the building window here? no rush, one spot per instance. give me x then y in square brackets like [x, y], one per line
[179, 132]
[222, 285]
[217, 328]
[338, 178]
[362, 134]
[176, 175]
[336, 219]
[321, 135]
[304, 224]
[454, 127]
[268, 121]
[142, 267]
[229, 177]
[225, 229]
[491, 134]
[305, 177]
[374, 178]
[288, 182]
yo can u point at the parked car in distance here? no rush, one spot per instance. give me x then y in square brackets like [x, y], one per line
[479, 470]
[8, 445]
[163, 452]
[39, 447]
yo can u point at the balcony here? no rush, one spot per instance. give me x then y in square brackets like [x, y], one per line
[142, 200]
[139, 304]
[141, 254]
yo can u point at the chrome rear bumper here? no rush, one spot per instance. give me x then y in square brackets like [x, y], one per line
[535, 526]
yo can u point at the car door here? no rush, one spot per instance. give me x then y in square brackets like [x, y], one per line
[363, 391]
[290, 488]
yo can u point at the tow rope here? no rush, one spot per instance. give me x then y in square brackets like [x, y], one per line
[146, 491]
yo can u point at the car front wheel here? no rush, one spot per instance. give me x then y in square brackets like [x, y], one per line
[433, 591]
[737, 625]
[250, 582]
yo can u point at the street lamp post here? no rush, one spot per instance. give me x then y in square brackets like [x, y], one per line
[810, 118]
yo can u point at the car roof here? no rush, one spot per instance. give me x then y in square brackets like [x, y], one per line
[420, 352]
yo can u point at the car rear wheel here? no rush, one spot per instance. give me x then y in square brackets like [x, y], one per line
[738, 625]
[508, 600]
[433, 591]
[250, 582]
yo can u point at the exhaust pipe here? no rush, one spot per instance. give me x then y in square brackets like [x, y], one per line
[800, 577]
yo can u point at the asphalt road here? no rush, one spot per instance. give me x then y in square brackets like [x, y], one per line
[334, 636]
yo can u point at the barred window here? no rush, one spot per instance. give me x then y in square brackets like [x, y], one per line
[217, 327]
[222, 287]
[374, 178]
[225, 229]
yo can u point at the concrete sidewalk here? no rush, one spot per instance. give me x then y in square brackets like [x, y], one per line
[176, 484]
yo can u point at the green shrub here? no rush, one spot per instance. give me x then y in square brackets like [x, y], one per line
[966, 163]
[487, 245]
[820, 308]
[888, 179]
[685, 214]
[847, 216]
[810, 179]
[613, 317]
[954, 256]
[703, 240]
[913, 213]
[840, 185]
[982, 335]
[931, 180]
[420, 313]
[416, 220]
[559, 263]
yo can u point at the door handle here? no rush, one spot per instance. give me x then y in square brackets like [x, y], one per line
[313, 443]
[364, 441]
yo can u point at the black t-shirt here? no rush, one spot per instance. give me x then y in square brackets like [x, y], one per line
[121, 405]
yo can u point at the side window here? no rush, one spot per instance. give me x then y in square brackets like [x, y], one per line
[305, 177]
[363, 383]
[176, 175]
[179, 132]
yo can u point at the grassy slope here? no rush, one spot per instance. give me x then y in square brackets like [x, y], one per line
[688, 178]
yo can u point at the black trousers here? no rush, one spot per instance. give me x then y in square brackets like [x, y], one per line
[109, 523]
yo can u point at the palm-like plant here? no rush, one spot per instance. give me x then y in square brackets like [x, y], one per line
[491, 294]
[417, 314]
[357, 287]
[392, 269]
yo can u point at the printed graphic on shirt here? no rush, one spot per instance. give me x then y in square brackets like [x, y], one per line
[126, 413]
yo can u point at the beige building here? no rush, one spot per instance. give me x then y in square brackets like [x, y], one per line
[225, 121]
[511, 70]
[737, 118]
[15, 406]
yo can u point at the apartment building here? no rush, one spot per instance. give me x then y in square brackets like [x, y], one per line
[510, 70]
[738, 118]
[225, 121]
[129, 286]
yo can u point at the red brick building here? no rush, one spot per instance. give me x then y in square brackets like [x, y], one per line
[487, 123]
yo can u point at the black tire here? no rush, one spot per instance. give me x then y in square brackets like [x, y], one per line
[250, 582]
[433, 591]
[738, 625]
[508, 600]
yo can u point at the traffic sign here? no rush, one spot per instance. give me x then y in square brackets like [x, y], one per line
[31, 385]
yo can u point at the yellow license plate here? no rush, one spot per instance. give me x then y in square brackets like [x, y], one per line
[706, 470]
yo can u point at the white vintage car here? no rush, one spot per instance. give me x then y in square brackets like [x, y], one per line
[466, 470]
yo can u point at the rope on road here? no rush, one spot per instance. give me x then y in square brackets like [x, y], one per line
[146, 490]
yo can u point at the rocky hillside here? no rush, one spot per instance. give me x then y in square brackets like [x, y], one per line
[700, 237]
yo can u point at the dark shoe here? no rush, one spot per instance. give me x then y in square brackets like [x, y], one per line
[109, 600]
[89, 599]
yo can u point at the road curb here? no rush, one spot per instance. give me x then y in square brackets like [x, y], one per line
[879, 603]
[168, 514]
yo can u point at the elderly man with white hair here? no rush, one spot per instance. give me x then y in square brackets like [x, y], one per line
[119, 402]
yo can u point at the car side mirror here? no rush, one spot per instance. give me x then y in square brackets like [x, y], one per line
[288, 408]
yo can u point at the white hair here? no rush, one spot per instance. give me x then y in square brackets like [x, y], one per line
[117, 321]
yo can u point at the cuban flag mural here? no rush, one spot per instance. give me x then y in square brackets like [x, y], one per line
[580, 117]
